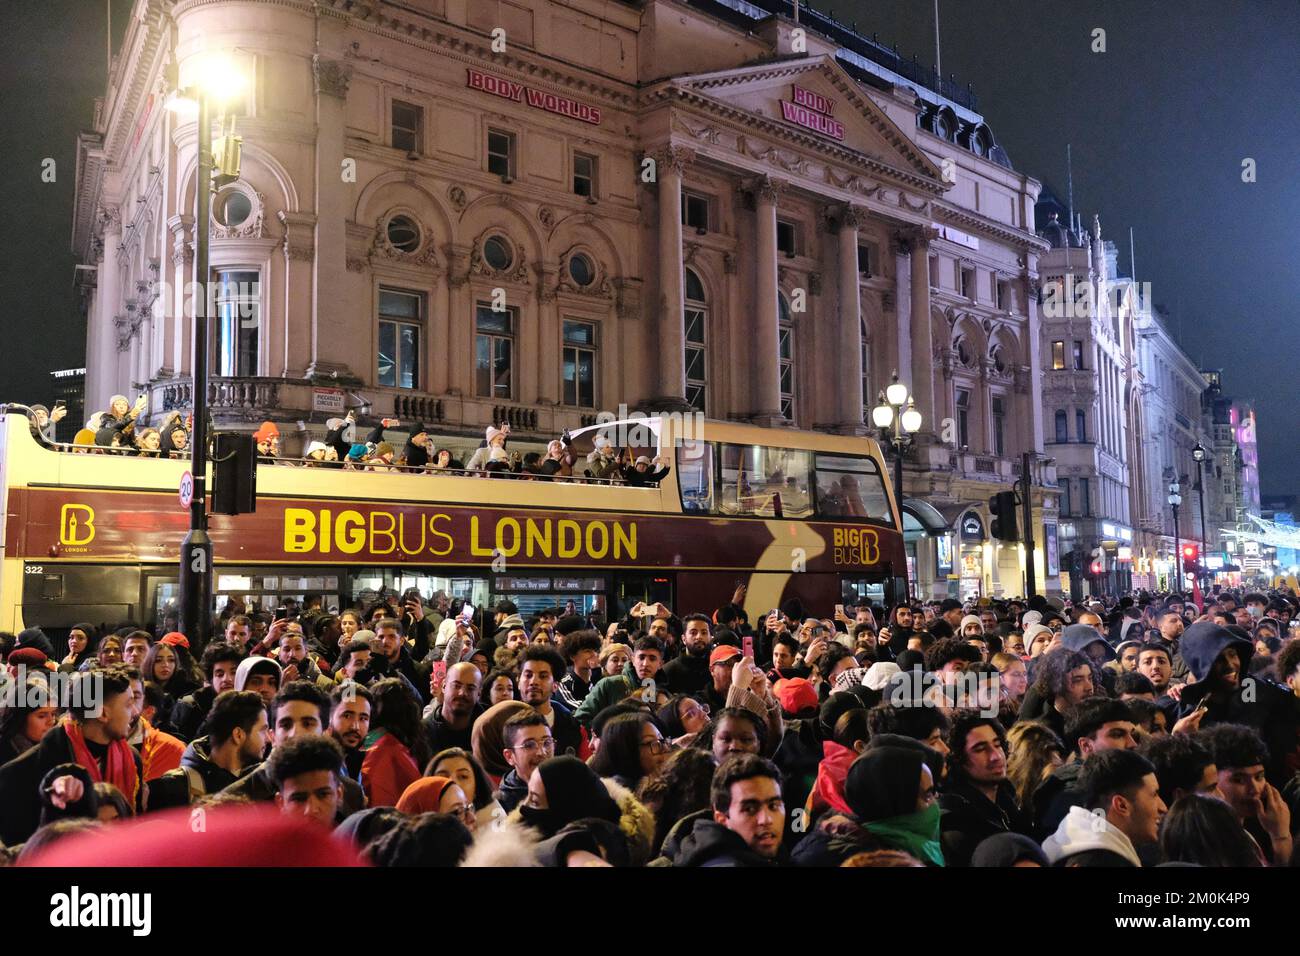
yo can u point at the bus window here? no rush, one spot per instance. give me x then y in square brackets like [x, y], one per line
[695, 476]
[851, 488]
[765, 482]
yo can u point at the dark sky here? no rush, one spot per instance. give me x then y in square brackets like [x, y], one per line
[1159, 125]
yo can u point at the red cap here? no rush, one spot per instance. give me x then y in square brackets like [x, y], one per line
[796, 694]
[723, 653]
[29, 656]
[175, 639]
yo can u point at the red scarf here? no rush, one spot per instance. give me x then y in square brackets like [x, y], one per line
[121, 771]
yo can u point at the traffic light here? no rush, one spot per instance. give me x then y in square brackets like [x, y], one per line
[1003, 508]
[1191, 555]
[234, 474]
[1096, 569]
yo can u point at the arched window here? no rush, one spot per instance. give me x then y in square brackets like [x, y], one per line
[696, 322]
[785, 340]
[1062, 427]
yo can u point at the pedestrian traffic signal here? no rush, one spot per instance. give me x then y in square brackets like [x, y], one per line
[1097, 569]
[1191, 555]
[1003, 508]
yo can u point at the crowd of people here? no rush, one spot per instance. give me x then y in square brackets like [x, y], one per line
[1139, 732]
[117, 430]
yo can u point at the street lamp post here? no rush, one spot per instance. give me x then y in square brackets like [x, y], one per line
[1176, 499]
[897, 418]
[215, 81]
[1199, 455]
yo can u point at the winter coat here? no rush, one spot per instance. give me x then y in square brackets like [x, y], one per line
[512, 791]
[687, 674]
[190, 712]
[442, 735]
[1054, 798]
[198, 757]
[708, 843]
[1272, 710]
[1081, 832]
[828, 789]
[388, 769]
[969, 818]
[20, 782]
[607, 692]
[646, 479]
[256, 786]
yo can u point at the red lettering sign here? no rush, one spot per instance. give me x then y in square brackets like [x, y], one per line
[814, 101]
[538, 99]
[809, 119]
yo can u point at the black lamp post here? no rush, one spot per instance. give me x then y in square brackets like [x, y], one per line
[1176, 499]
[1199, 455]
[896, 417]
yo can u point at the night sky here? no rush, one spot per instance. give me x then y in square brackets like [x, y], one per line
[1159, 125]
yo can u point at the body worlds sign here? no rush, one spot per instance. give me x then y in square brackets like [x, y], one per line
[812, 111]
[538, 99]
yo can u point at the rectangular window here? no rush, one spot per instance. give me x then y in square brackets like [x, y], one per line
[1081, 424]
[494, 352]
[1002, 290]
[695, 211]
[501, 153]
[851, 488]
[579, 364]
[968, 283]
[1078, 356]
[584, 175]
[786, 346]
[766, 482]
[696, 358]
[963, 418]
[1058, 355]
[408, 122]
[1062, 427]
[864, 261]
[401, 316]
[695, 475]
[999, 446]
[238, 318]
[1065, 497]
[1085, 498]
[786, 239]
[934, 272]
[867, 402]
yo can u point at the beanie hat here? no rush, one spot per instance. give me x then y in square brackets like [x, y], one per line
[554, 447]
[883, 783]
[115, 399]
[384, 448]
[417, 428]
[28, 657]
[1033, 630]
[175, 639]
[39, 408]
[493, 432]
[569, 623]
[34, 637]
[316, 446]
[796, 695]
[970, 619]
[356, 452]
[1031, 617]
[268, 431]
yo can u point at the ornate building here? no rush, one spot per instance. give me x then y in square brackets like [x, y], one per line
[532, 211]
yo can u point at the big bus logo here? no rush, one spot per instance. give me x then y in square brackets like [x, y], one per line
[77, 525]
[855, 546]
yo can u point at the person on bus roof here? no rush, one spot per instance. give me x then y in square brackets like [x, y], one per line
[640, 475]
[492, 451]
[268, 440]
[45, 420]
[416, 451]
[116, 424]
[175, 435]
[603, 460]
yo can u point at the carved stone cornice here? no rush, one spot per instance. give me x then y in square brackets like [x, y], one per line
[767, 189]
[332, 77]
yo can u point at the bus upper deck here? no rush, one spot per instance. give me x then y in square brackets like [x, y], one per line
[89, 533]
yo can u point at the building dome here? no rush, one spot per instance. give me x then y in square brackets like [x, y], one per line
[1057, 234]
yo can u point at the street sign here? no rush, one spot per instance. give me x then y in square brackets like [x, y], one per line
[187, 489]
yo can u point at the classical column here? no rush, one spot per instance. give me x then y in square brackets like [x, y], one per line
[548, 333]
[670, 163]
[849, 337]
[101, 373]
[1031, 355]
[765, 348]
[459, 354]
[922, 383]
[901, 330]
[332, 344]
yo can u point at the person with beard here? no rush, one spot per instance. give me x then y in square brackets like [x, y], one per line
[397, 660]
[292, 656]
[1219, 659]
[451, 723]
[540, 668]
[233, 745]
[526, 742]
[689, 673]
[978, 800]
[93, 738]
[350, 706]
[1095, 724]
[220, 663]
[299, 710]
[744, 825]
[354, 663]
[159, 751]
[1062, 679]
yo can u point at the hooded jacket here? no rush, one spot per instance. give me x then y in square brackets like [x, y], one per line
[191, 710]
[1255, 702]
[198, 757]
[828, 791]
[607, 692]
[1082, 831]
[708, 843]
[512, 791]
[256, 786]
[1054, 797]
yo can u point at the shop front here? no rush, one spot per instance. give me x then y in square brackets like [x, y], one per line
[927, 537]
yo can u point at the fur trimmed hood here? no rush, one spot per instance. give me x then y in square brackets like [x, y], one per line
[503, 843]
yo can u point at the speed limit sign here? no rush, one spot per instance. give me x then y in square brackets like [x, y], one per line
[187, 489]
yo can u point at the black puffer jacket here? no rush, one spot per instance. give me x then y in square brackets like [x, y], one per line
[969, 818]
[704, 842]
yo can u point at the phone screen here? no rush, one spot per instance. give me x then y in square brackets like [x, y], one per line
[439, 672]
[748, 646]
[466, 613]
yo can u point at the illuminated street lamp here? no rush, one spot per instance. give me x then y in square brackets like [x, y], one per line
[1176, 499]
[1199, 454]
[897, 409]
[214, 82]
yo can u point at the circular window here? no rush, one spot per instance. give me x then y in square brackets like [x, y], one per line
[496, 253]
[403, 234]
[232, 208]
[581, 270]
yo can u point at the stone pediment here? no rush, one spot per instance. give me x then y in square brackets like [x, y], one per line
[812, 99]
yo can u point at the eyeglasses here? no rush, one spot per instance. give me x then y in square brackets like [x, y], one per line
[659, 746]
[545, 745]
[462, 810]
